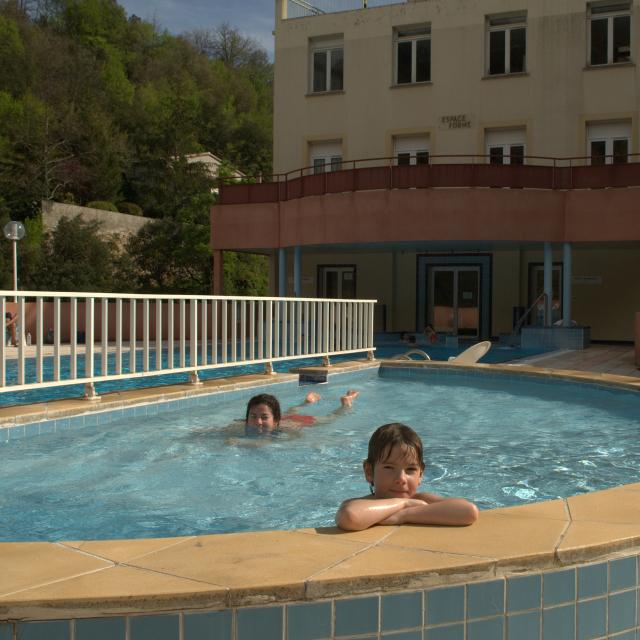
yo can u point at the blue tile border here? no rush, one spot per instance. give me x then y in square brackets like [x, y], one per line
[524, 592]
[260, 623]
[311, 621]
[485, 599]
[356, 615]
[536, 609]
[401, 611]
[622, 574]
[592, 580]
[559, 587]
[445, 604]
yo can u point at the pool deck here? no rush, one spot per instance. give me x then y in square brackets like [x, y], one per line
[42, 580]
[616, 360]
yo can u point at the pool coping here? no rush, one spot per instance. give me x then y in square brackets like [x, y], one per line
[51, 580]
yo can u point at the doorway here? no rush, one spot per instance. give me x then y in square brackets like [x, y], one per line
[337, 281]
[454, 294]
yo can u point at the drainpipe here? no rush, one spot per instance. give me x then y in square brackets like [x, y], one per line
[567, 278]
[282, 273]
[548, 283]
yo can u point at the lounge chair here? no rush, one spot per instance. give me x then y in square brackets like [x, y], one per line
[472, 354]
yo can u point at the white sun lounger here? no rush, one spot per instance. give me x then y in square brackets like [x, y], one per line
[472, 354]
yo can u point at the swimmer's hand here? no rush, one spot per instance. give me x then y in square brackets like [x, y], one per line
[445, 511]
[362, 513]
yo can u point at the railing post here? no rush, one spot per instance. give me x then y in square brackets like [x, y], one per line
[56, 338]
[3, 346]
[170, 330]
[90, 392]
[104, 335]
[89, 308]
[73, 308]
[39, 322]
[119, 336]
[158, 334]
[132, 335]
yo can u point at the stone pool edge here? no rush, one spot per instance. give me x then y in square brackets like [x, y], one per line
[49, 581]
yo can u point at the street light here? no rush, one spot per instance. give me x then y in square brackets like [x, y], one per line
[14, 231]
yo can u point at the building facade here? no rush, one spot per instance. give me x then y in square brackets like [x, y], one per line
[454, 159]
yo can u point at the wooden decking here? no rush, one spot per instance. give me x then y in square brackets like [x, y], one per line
[612, 359]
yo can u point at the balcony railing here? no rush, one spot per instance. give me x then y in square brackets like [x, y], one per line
[83, 338]
[442, 171]
[304, 8]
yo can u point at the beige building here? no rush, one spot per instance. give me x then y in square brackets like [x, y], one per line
[454, 159]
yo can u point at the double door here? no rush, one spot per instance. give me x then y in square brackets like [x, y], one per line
[454, 294]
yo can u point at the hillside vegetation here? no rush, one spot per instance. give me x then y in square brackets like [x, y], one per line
[96, 105]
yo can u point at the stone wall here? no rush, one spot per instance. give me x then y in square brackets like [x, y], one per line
[121, 224]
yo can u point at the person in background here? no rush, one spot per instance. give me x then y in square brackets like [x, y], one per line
[10, 320]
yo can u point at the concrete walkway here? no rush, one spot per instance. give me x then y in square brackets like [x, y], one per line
[598, 358]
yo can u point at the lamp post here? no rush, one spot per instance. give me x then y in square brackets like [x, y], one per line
[14, 231]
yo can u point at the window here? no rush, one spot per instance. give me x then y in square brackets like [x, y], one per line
[609, 142]
[505, 146]
[411, 149]
[327, 66]
[506, 44]
[337, 281]
[413, 55]
[325, 156]
[609, 33]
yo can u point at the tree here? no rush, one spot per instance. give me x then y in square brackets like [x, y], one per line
[245, 274]
[98, 106]
[227, 44]
[75, 257]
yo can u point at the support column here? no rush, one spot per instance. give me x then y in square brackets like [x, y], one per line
[567, 279]
[218, 273]
[297, 272]
[548, 282]
[273, 274]
[282, 272]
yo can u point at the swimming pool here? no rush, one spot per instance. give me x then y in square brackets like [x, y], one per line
[388, 347]
[497, 440]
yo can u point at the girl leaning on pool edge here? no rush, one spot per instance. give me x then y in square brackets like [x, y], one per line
[393, 469]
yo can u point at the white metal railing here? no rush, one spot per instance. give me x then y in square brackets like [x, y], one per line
[303, 8]
[82, 338]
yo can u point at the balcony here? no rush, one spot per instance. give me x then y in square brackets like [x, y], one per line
[441, 172]
[305, 8]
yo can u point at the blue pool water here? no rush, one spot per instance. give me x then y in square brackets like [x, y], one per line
[387, 348]
[498, 441]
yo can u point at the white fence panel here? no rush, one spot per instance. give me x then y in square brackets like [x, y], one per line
[72, 341]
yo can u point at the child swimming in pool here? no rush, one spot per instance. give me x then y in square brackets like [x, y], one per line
[393, 469]
[264, 416]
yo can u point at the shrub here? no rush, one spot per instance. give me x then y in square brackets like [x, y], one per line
[103, 205]
[130, 207]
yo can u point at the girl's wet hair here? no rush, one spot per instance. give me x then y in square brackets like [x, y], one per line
[267, 399]
[387, 436]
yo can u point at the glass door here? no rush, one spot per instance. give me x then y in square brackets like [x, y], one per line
[337, 282]
[454, 300]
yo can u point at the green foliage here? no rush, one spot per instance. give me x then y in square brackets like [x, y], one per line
[130, 207]
[96, 106]
[245, 274]
[74, 257]
[103, 205]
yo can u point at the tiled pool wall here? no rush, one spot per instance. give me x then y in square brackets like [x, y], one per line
[588, 602]
[509, 378]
